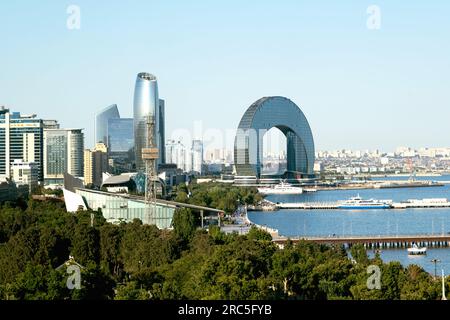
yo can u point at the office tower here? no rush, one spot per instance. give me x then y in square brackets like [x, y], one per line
[25, 173]
[20, 139]
[197, 156]
[120, 144]
[63, 153]
[162, 130]
[95, 163]
[101, 122]
[146, 103]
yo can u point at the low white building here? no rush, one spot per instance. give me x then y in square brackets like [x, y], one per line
[25, 173]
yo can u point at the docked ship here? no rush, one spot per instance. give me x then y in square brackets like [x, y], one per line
[416, 250]
[360, 203]
[282, 188]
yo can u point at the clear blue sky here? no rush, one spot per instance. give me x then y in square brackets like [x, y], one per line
[359, 88]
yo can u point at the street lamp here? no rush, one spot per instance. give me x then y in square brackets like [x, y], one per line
[435, 261]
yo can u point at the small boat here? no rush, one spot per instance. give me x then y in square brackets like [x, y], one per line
[360, 203]
[282, 188]
[415, 250]
[309, 189]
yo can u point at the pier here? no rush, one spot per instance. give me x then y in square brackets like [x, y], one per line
[308, 205]
[382, 241]
[335, 205]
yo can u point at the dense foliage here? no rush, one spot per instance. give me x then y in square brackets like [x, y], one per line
[224, 197]
[135, 261]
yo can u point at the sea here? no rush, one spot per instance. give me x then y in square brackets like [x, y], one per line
[373, 222]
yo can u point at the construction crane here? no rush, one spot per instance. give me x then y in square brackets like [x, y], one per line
[150, 155]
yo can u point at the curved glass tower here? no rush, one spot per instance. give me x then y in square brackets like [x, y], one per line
[261, 116]
[101, 122]
[146, 102]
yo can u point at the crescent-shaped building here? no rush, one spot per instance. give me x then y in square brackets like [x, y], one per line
[261, 116]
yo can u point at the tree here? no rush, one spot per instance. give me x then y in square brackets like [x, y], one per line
[359, 253]
[110, 239]
[256, 233]
[184, 224]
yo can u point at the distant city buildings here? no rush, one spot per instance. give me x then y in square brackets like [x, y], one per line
[95, 164]
[63, 153]
[188, 159]
[402, 160]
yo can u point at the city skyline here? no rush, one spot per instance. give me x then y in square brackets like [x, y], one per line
[377, 82]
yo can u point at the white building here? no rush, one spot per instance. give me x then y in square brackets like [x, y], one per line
[25, 173]
[197, 156]
[177, 153]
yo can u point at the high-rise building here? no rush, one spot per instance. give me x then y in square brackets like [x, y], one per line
[162, 130]
[95, 163]
[176, 153]
[120, 144]
[101, 122]
[147, 103]
[63, 153]
[197, 156]
[21, 138]
[25, 173]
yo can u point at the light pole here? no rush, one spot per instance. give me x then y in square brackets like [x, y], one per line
[435, 261]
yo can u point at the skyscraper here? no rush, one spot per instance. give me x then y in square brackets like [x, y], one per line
[121, 144]
[63, 153]
[20, 139]
[147, 103]
[101, 122]
[162, 130]
[197, 156]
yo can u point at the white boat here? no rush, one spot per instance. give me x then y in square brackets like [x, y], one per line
[360, 203]
[416, 250]
[282, 188]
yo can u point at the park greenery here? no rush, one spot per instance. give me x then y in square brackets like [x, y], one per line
[215, 195]
[132, 261]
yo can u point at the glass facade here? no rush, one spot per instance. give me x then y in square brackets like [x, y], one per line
[55, 153]
[264, 114]
[101, 122]
[117, 207]
[120, 135]
[146, 103]
[63, 153]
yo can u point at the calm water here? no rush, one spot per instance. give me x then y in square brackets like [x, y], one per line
[367, 222]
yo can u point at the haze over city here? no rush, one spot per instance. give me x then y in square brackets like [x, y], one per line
[359, 88]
